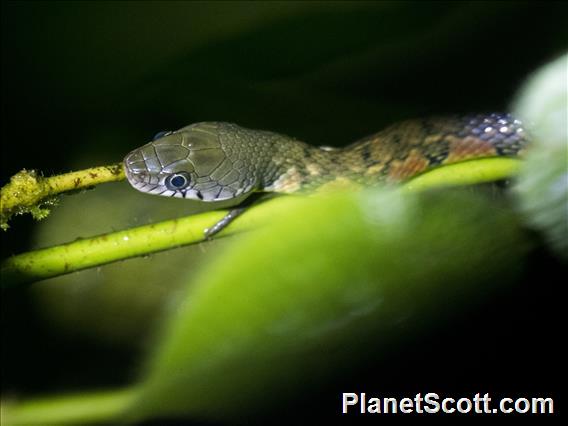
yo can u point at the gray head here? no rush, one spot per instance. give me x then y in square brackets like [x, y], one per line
[189, 163]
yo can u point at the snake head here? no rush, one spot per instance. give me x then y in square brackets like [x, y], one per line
[187, 163]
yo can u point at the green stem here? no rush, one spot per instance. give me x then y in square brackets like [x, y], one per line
[92, 407]
[99, 250]
[466, 173]
[29, 192]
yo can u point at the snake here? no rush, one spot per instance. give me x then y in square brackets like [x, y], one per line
[216, 161]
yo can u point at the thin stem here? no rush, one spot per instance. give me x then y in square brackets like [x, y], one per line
[465, 173]
[91, 407]
[28, 192]
[99, 250]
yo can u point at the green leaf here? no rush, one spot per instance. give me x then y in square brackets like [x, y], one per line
[334, 280]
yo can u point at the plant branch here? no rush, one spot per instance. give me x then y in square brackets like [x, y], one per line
[92, 407]
[99, 250]
[102, 249]
[28, 192]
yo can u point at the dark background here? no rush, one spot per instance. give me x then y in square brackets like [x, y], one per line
[102, 77]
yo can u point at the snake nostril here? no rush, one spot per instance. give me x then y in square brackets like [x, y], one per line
[136, 170]
[133, 158]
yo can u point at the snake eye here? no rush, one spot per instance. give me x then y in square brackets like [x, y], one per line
[161, 134]
[177, 181]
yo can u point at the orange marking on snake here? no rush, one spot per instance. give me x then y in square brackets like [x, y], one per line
[413, 164]
[469, 147]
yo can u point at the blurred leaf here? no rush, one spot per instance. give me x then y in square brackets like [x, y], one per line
[543, 183]
[333, 281]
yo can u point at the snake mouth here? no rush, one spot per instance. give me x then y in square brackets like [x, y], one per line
[141, 181]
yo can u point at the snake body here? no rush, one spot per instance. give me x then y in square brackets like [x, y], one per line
[213, 161]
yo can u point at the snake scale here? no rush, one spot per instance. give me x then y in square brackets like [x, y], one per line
[214, 161]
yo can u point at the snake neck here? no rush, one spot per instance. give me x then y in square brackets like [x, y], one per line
[298, 167]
